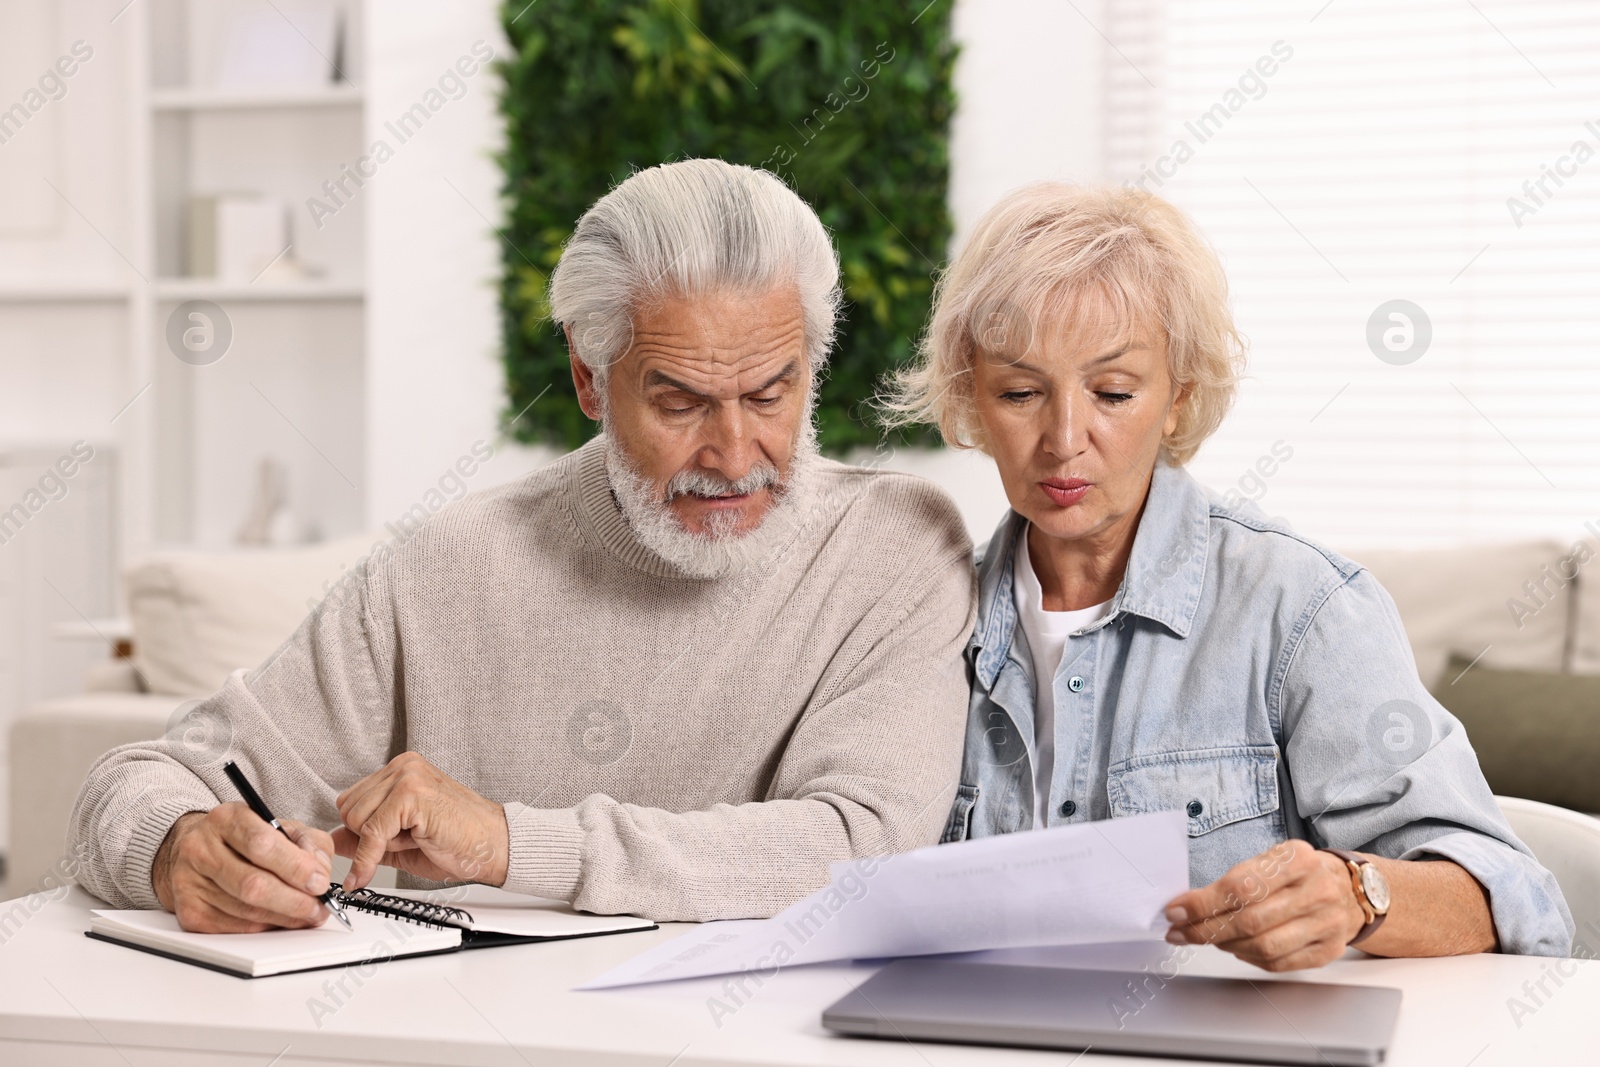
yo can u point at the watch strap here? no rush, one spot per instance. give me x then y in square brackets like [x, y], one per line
[1374, 918]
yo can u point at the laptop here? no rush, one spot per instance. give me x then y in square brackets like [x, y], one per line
[1263, 1021]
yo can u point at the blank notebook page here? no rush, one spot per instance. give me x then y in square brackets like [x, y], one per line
[277, 951]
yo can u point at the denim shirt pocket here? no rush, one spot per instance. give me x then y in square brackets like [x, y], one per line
[1229, 796]
[955, 828]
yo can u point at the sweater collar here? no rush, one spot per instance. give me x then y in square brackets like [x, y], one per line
[599, 505]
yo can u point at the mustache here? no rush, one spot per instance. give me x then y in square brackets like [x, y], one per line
[708, 483]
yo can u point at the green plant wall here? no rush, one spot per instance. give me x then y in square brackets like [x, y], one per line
[847, 100]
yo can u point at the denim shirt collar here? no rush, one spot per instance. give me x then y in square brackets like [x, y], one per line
[1165, 574]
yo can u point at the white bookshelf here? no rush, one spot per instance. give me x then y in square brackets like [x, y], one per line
[64, 292]
[180, 289]
[291, 386]
[90, 273]
[188, 99]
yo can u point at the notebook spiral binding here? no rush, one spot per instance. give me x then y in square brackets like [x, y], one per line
[412, 911]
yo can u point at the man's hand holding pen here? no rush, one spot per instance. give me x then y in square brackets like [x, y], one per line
[227, 871]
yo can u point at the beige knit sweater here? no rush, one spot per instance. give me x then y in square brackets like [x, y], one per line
[670, 747]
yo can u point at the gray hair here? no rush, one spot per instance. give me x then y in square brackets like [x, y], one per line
[680, 229]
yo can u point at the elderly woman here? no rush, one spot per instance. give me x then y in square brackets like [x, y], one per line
[1143, 646]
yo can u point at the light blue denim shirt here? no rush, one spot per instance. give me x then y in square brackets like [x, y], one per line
[1257, 681]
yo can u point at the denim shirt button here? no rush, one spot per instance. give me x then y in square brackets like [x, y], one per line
[1068, 808]
[1195, 808]
[1075, 684]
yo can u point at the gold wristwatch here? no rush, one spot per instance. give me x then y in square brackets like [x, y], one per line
[1372, 891]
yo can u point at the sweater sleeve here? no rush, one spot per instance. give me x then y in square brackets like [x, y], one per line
[870, 768]
[1378, 765]
[313, 719]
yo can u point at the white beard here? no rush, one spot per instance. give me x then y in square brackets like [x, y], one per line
[720, 551]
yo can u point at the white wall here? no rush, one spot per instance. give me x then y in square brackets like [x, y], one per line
[63, 362]
[63, 342]
[1030, 90]
[434, 383]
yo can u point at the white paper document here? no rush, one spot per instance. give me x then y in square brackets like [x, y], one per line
[1091, 882]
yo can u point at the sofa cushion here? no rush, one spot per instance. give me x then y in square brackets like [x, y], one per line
[52, 748]
[199, 616]
[1458, 601]
[1586, 638]
[1537, 734]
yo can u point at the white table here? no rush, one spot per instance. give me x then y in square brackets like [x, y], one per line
[65, 999]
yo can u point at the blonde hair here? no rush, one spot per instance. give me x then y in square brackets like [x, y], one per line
[1037, 255]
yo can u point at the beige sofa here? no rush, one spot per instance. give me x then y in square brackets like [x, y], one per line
[196, 617]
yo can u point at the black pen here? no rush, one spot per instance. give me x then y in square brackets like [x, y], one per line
[259, 806]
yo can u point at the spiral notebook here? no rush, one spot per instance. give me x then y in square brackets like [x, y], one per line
[387, 926]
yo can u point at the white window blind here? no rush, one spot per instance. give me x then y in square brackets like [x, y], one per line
[1374, 163]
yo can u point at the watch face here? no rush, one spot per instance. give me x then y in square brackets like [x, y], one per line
[1376, 887]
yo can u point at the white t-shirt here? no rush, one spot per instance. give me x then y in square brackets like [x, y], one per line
[1046, 633]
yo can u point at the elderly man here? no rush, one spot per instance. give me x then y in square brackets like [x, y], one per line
[676, 673]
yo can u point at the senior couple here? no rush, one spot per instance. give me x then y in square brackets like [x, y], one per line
[683, 669]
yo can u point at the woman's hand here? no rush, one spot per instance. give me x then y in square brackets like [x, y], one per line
[412, 816]
[1288, 908]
